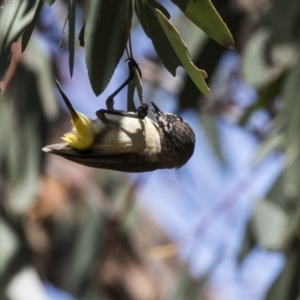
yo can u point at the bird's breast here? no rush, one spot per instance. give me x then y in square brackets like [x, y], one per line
[128, 135]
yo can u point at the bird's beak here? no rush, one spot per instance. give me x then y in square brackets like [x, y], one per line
[156, 111]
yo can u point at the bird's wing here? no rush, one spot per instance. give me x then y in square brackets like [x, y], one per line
[126, 162]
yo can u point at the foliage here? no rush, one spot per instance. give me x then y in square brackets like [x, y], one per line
[268, 43]
[105, 38]
[79, 238]
[270, 63]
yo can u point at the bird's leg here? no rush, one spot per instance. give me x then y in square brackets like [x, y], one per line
[131, 64]
[140, 113]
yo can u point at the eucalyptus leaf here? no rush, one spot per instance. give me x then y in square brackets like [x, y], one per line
[168, 43]
[49, 2]
[15, 16]
[274, 142]
[106, 32]
[292, 172]
[292, 229]
[286, 285]
[140, 10]
[269, 224]
[28, 32]
[81, 35]
[287, 29]
[91, 231]
[266, 96]
[291, 110]
[203, 14]
[160, 7]
[271, 144]
[72, 16]
[181, 51]
[9, 244]
[248, 243]
[210, 127]
[188, 288]
[254, 65]
[155, 32]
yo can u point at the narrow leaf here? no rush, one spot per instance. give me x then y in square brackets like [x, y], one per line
[106, 33]
[140, 10]
[248, 243]
[72, 12]
[15, 16]
[266, 96]
[161, 8]
[286, 285]
[49, 2]
[28, 32]
[81, 35]
[203, 14]
[181, 51]
[159, 39]
[269, 225]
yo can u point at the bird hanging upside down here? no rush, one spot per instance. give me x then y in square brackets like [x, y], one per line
[126, 141]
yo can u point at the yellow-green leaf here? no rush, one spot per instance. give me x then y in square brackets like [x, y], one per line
[15, 16]
[105, 35]
[203, 14]
[181, 50]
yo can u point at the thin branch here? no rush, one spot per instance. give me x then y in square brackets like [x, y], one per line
[62, 33]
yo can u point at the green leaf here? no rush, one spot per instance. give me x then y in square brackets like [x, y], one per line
[210, 127]
[72, 13]
[203, 14]
[291, 109]
[140, 10]
[20, 155]
[106, 33]
[81, 35]
[272, 143]
[15, 16]
[81, 258]
[285, 31]
[267, 96]
[189, 288]
[28, 32]
[286, 285]
[155, 32]
[292, 231]
[49, 2]
[269, 225]
[247, 245]
[161, 8]
[181, 50]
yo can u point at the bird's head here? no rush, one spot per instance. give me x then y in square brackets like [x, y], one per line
[177, 137]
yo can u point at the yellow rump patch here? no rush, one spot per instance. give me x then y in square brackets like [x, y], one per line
[82, 137]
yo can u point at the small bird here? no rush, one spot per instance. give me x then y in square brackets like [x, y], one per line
[126, 141]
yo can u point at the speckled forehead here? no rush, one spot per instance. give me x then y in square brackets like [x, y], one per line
[169, 120]
[168, 117]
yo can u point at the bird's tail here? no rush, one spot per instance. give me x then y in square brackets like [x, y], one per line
[82, 137]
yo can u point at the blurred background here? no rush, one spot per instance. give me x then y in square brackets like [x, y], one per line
[224, 226]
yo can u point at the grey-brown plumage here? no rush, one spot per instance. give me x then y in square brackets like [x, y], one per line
[129, 144]
[177, 139]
